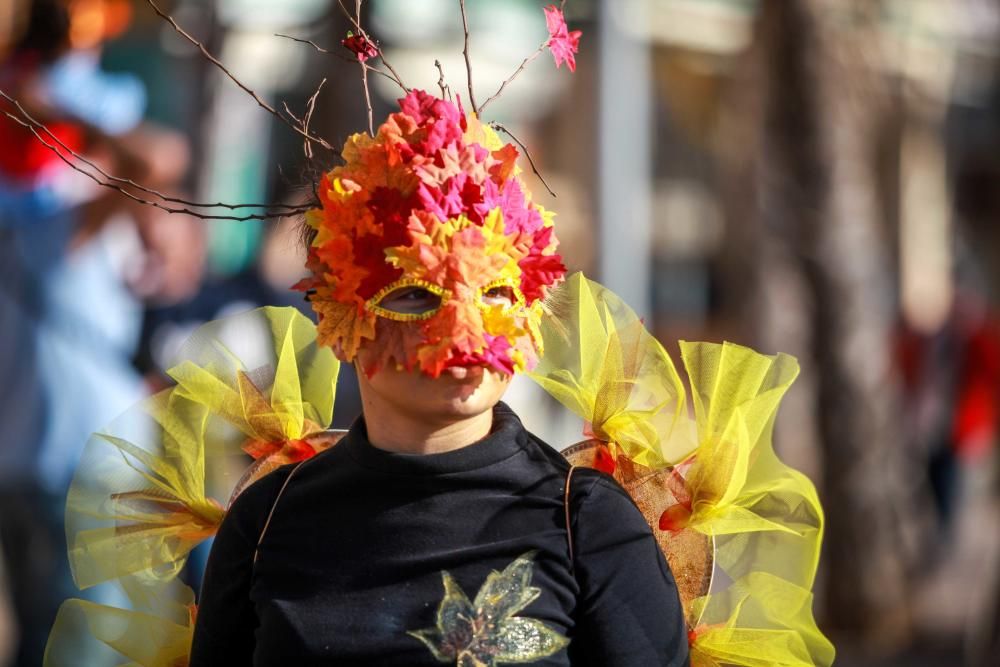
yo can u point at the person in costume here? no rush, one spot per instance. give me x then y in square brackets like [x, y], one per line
[435, 530]
[438, 530]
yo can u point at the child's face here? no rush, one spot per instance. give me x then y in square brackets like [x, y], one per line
[459, 392]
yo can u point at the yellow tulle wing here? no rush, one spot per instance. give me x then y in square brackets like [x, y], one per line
[758, 621]
[140, 497]
[726, 482]
[263, 372]
[602, 364]
[156, 633]
[137, 501]
[765, 515]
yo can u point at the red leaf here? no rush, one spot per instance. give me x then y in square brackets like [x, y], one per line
[604, 461]
[675, 518]
[360, 47]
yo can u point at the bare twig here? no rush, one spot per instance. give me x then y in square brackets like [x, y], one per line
[342, 56]
[468, 62]
[500, 128]
[310, 108]
[395, 75]
[316, 46]
[215, 61]
[364, 70]
[306, 118]
[445, 90]
[356, 22]
[142, 200]
[368, 101]
[28, 121]
[524, 63]
[291, 113]
[517, 72]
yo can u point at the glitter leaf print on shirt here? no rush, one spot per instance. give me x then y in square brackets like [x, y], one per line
[485, 632]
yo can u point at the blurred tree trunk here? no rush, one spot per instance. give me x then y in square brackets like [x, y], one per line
[808, 114]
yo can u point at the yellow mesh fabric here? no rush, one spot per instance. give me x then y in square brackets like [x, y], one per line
[157, 633]
[139, 501]
[738, 485]
[765, 517]
[602, 364]
[262, 372]
[758, 621]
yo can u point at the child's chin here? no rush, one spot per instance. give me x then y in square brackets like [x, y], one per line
[474, 395]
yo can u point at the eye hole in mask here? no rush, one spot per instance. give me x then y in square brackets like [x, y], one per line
[408, 300]
[502, 293]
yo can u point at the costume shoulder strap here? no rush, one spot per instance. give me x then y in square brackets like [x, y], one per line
[274, 506]
[568, 515]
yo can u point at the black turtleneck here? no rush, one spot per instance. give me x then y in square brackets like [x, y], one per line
[364, 545]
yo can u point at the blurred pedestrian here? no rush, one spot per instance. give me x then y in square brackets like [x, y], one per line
[70, 253]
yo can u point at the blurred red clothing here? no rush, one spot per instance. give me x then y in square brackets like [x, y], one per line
[23, 158]
[974, 428]
[962, 361]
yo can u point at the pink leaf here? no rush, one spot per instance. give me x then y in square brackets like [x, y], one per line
[563, 43]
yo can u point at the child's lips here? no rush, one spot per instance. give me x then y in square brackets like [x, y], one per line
[465, 371]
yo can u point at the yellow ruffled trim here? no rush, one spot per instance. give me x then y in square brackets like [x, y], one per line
[601, 363]
[156, 633]
[283, 390]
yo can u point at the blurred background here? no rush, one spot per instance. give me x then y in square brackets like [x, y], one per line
[819, 177]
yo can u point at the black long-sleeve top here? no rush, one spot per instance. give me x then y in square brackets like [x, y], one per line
[378, 558]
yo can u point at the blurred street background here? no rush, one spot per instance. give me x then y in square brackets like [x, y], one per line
[818, 177]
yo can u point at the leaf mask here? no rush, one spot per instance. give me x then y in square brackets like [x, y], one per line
[428, 248]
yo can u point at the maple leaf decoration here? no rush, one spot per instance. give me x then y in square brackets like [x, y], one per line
[342, 323]
[359, 46]
[563, 43]
[485, 632]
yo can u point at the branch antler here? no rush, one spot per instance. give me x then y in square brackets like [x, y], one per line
[356, 22]
[159, 200]
[468, 61]
[307, 118]
[524, 63]
[517, 73]
[500, 128]
[364, 74]
[344, 57]
[445, 90]
[249, 91]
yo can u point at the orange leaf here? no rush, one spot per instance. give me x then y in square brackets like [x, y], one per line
[397, 345]
[344, 325]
